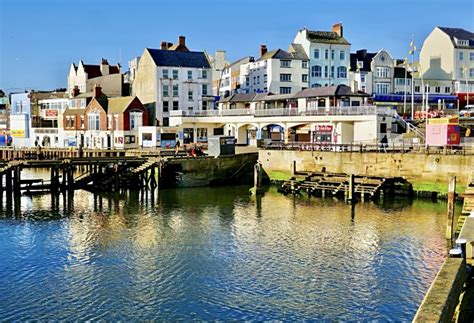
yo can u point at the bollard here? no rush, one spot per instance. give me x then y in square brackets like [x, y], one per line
[455, 253]
[462, 243]
[450, 217]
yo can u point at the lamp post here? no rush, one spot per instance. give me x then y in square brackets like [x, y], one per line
[412, 53]
[405, 91]
[467, 85]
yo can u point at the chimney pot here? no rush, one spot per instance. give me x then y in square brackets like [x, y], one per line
[164, 45]
[263, 50]
[97, 91]
[75, 91]
[182, 41]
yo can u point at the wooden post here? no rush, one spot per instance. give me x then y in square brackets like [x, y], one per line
[293, 168]
[351, 189]
[451, 196]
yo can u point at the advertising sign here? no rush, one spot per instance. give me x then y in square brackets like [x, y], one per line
[18, 133]
[51, 113]
[323, 128]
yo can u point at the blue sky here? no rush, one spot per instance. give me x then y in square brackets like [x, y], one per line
[39, 39]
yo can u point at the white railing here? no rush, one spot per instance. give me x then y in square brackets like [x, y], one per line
[309, 111]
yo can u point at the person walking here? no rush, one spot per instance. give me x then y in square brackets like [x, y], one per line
[178, 144]
[384, 143]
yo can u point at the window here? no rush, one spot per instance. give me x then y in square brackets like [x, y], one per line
[190, 75]
[342, 55]
[285, 63]
[304, 64]
[461, 56]
[471, 73]
[175, 105]
[204, 89]
[447, 89]
[285, 90]
[93, 121]
[471, 56]
[204, 74]
[326, 71]
[265, 78]
[383, 72]
[72, 103]
[247, 81]
[383, 128]
[326, 54]
[254, 80]
[417, 88]
[304, 78]
[437, 89]
[316, 71]
[315, 85]
[175, 90]
[258, 79]
[165, 74]
[83, 103]
[382, 88]
[82, 122]
[166, 106]
[341, 72]
[109, 121]
[362, 78]
[332, 71]
[461, 72]
[316, 53]
[462, 42]
[332, 54]
[116, 121]
[166, 122]
[285, 77]
[175, 74]
[204, 105]
[190, 95]
[165, 90]
[136, 119]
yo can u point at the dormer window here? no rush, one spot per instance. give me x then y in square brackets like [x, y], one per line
[462, 42]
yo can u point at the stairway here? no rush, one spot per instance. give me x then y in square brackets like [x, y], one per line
[467, 208]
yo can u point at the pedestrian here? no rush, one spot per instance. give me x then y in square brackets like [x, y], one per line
[81, 151]
[384, 143]
[177, 145]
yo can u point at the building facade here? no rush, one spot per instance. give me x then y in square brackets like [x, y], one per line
[329, 55]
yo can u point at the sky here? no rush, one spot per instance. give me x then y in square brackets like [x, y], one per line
[39, 39]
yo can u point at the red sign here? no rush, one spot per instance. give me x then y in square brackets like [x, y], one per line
[323, 128]
[51, 113]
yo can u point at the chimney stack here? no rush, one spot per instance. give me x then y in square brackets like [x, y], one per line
[75, 91]
[97, 91]
[263, 50]
[337, 28]
[104, 67]
[182, 41]
[164, 45]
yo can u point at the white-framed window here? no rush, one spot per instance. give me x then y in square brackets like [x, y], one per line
[304, 78]
[382, 88]
[471, 73]
[175, 105]
[175, 74]
[190, 75]
[285, 90]
[315, 85]
[332, 71]
[175, 90]
[417, 88]
[93, 121]
[362, 78]
[471, 56]
[461, 71]
[165, 90]
[204, 89]
[316, 53]
[316, 71]
[82, 122]
[342, 72]
[166, 106]
[342, 55]
[285, 77]
[265, 78]
[72, 103]
[382, 72]
[447, 89]
[326, 71]
[258, 79]
[285, 63]
[165, 74]
[304, 64]
[333, 54]
[461, 56]
[204, 74]
[437, 89]
[136, 119]
[83, 103]
[247, 81]
[326, 54]
[190, 95]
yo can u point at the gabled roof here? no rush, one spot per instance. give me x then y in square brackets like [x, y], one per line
[361, 56]
[73, 111]
[240, 61]
[120, 104]
[179, 59]
[327, 37]
[339, 90]
[459, 33]
[282, 54]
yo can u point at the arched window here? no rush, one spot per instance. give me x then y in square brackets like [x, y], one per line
[341, 72]
[93, 120]
[326, 71]
[332, 71]
[316, 71]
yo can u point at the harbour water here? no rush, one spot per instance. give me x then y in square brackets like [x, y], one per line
[216, 253]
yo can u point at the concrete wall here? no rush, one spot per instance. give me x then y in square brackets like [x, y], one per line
[415, 167]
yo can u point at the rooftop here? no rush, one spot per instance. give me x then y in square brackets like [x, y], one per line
[327, 37]
[179, 59]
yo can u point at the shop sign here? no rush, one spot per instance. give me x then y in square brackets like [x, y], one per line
[323, 128]
[18, 133]
[51, 113]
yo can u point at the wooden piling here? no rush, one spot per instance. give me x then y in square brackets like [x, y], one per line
[450, 217]
[350, 192]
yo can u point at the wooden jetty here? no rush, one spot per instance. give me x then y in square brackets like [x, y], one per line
[347, 186]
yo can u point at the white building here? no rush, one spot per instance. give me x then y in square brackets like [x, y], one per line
[170, 79]
[276, 71]
[86, 76]
[329, 55]
[218, 63]
[49, 128]
[448, 54]
[229, 82]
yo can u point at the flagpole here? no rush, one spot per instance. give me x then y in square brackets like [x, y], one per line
[405, 91]
[412, 52]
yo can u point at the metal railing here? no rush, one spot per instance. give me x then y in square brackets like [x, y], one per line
[308, 111]
[372, 147]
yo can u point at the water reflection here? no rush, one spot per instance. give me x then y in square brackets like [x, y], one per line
[215, 253]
